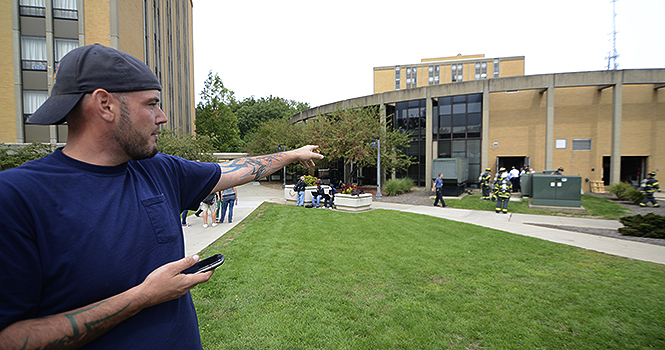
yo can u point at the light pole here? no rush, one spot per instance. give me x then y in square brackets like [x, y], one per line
[376, 142]
[282, 147]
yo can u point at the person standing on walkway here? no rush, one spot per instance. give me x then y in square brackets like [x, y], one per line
[485, 185]
[502, 189]
[184, 218]
[438, 186]
[208, 205]
[229, 198]
[649, 186]
[111, 280]
[299, 188]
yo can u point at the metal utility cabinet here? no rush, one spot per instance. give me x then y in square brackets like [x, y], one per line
[455, 174]
[556, 190]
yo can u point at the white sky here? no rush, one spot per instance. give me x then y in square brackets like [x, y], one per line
[323, 51]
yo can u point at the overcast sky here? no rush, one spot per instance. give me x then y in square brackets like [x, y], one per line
[323, 51]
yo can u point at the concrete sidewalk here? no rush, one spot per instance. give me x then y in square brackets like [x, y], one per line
[251, 195]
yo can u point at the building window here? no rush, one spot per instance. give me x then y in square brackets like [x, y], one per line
[581, 144]
[397, 78]
[31, 101]
[33, 8]
[481, 70]
[65, 9]
[33, 53]
[433, 78]
[458, 72]
[411, 77]
[410, 117]
[459, 117]
[496, 68]
[62, 47]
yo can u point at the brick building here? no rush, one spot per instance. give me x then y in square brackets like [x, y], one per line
[36, 34]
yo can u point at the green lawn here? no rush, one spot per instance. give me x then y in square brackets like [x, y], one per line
[298, 278]
[596, 207]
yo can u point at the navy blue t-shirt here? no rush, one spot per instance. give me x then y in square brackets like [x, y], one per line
[73, 233]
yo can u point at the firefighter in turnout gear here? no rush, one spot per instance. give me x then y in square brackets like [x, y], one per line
[502, 189]
[497, 177]
[485, 183]
[649, 185]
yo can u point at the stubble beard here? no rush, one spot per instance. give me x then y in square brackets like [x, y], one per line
[133, 142]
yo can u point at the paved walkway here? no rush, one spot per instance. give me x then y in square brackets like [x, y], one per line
[251, 195]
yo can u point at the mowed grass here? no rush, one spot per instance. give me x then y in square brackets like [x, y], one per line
[594, 206]
[298, 278]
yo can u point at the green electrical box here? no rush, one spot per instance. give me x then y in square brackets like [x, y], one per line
[556, 190]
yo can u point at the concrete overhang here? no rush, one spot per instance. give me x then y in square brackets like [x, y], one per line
[600, 79]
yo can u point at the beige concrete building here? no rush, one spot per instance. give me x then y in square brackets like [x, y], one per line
[36, 34]
[603, 125]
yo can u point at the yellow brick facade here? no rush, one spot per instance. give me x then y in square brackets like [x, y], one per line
[7, 101]
[97, 27]
[130, 18]
[384, 77]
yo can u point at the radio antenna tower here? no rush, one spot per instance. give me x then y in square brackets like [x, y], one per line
[613, 55]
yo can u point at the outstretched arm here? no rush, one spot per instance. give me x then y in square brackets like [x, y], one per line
[74, 329]
[243, 170]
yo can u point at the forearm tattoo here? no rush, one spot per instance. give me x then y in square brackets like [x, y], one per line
[256, 167]
[92, 330]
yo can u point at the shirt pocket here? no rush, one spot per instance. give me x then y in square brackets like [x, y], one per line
[158, 214]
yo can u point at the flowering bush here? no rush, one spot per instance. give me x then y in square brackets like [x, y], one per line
[351, 189]
[311, 180]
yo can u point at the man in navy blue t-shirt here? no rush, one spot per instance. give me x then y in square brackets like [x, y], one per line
[91, 245]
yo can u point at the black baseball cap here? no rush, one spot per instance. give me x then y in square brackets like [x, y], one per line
[86, 69]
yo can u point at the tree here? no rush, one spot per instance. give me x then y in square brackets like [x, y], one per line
[347, 134]
[251, 113]
[186, 146]
[214, 115]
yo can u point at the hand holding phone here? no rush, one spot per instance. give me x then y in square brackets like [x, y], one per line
[206, 264]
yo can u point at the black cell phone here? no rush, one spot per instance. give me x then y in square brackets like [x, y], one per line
[206, 264]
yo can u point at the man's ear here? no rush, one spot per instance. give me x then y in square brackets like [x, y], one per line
[104, 104]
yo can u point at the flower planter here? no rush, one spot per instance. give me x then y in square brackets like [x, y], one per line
[291, 196]
[348, 202]
[344, 202]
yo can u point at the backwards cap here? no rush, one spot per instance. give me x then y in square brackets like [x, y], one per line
[86, 69]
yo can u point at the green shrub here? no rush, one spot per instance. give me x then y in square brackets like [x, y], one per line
[650, 225]
[12, 157]
[394, 187]
[624, 191]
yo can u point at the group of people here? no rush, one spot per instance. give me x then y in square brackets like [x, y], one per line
[214, 203]
[505, 183]
[320, 193]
